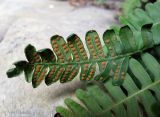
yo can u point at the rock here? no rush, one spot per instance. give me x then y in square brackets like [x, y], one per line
[12, 10]
[18, 98]
[4, 24]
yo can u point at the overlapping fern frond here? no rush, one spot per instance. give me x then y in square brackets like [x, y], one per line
[139, 94]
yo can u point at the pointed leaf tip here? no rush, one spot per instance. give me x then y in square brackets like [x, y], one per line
[13, 72]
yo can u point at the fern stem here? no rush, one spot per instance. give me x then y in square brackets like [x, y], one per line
[124, 100]
[92, 60]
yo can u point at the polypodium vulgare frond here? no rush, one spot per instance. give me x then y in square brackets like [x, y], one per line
[69, 57]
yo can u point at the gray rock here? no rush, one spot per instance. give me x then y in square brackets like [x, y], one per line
[18, 98]
[12, 10]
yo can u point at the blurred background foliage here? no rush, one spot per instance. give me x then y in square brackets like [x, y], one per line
[123, 7]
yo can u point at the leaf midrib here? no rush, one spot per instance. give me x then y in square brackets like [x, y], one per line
[131, 96]
[90, 60]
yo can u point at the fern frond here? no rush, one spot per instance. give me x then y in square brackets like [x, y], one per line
[140, 33]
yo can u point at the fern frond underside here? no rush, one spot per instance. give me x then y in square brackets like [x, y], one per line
[67, 58]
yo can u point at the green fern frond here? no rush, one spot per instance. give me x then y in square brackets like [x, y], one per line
[70, 57]
[140, 91]
[67, 58]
